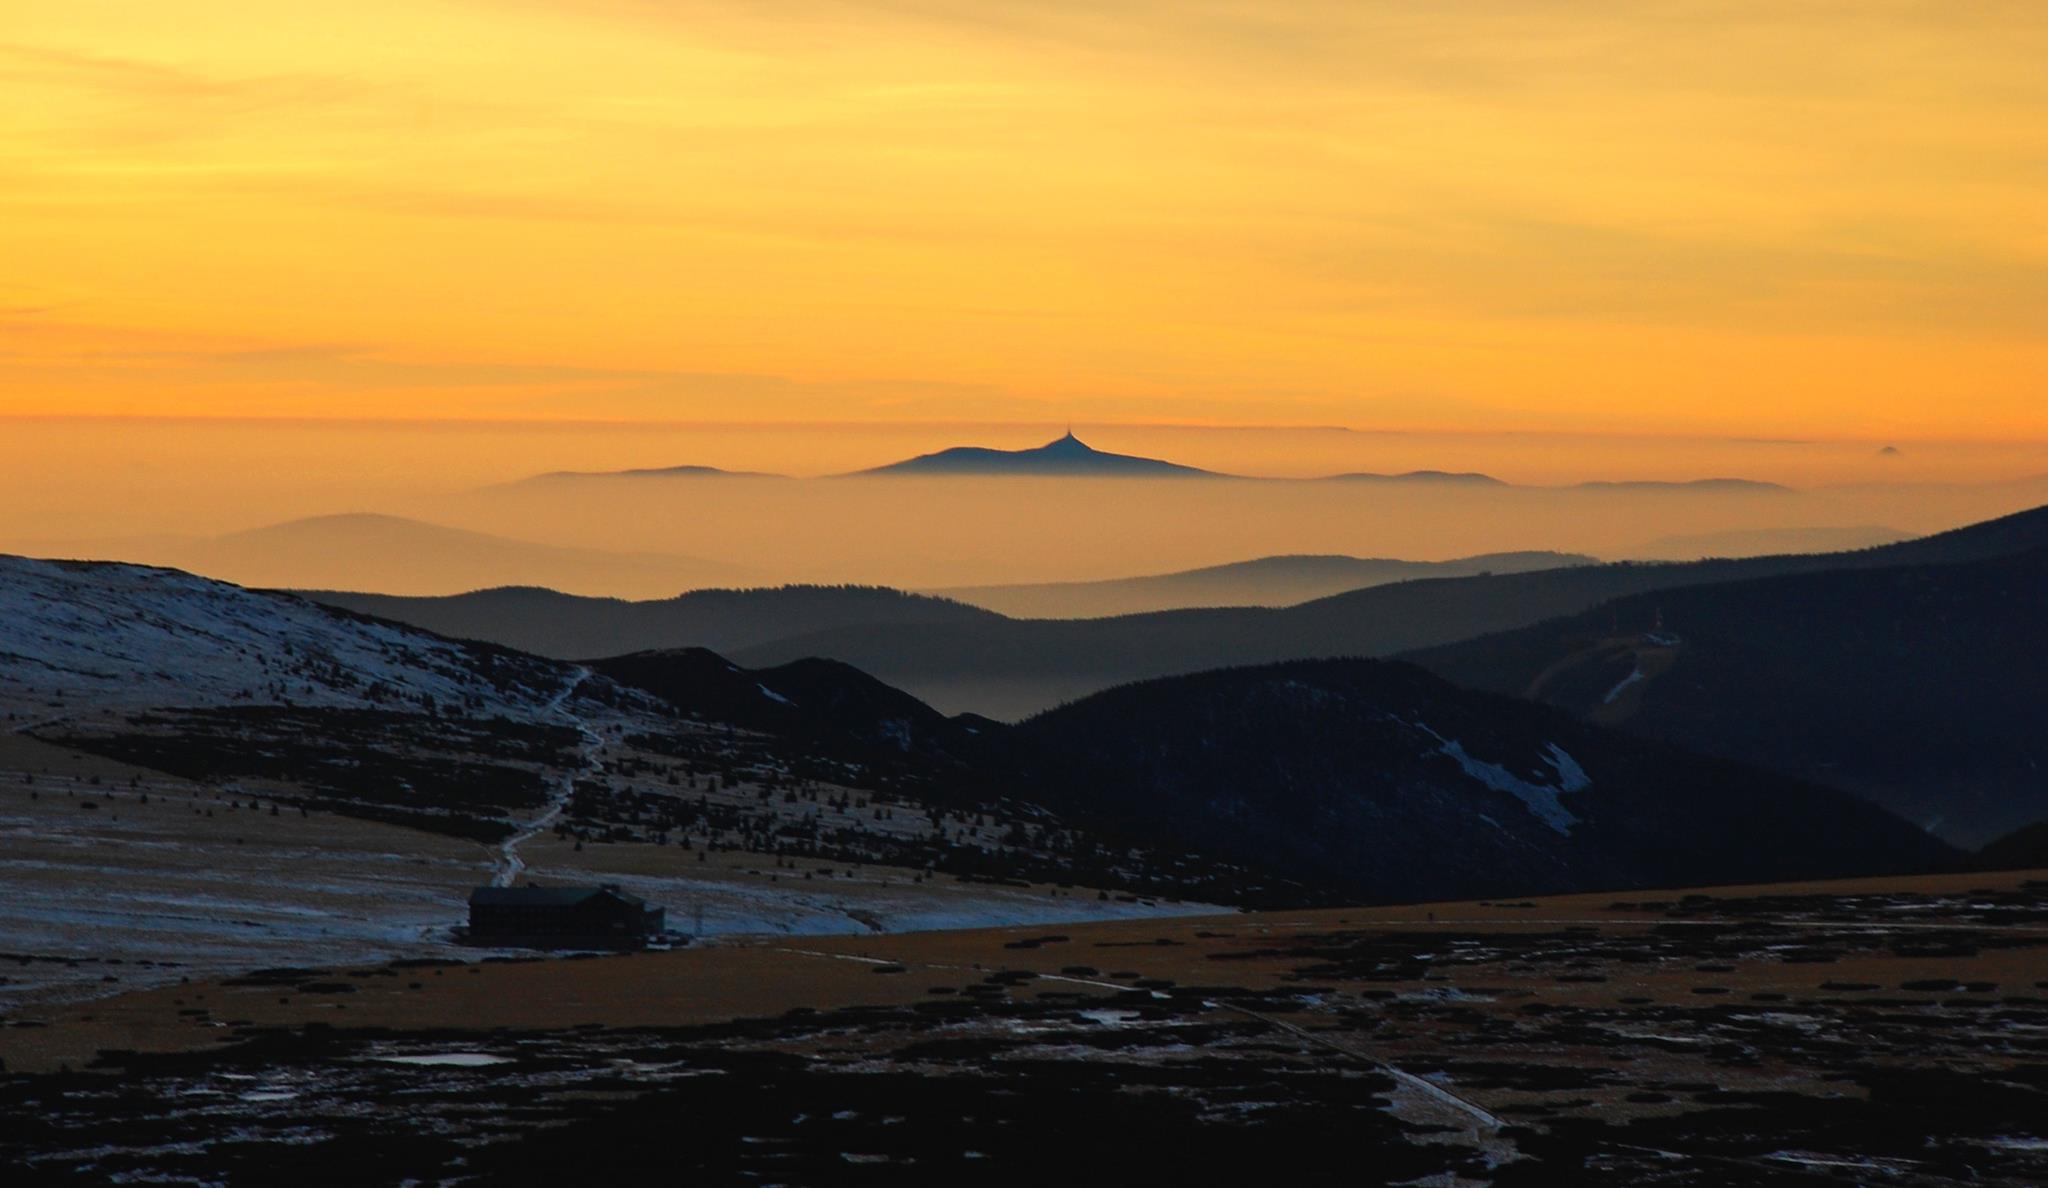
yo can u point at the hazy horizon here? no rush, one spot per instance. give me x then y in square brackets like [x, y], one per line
[123, 490]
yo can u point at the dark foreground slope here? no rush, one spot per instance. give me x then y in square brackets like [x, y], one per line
[1923, 688]
[1390, 783]
[1337, 779]
[823, 702]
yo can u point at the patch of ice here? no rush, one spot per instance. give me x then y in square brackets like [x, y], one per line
[772, 695]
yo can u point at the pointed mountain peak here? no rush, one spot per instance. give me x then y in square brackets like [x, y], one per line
[1064, 455]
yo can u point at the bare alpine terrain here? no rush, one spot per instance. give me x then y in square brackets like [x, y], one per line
[241, 827]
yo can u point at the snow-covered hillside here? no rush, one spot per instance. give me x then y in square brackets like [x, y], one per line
[213, 749]
[118, 636]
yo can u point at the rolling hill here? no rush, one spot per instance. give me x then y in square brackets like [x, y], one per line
[1762, 542]
[1463, 478]
[1920, 687]
[684, 471]
[833, 705]
[394, 554]
[964, 658]
[1010, 668]
[1390, 782]
[565, 626]
[1263, 581]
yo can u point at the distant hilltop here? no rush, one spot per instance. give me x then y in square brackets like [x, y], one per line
[1068, 455]
[651, 472]
[1735, 485]
[1465, 477]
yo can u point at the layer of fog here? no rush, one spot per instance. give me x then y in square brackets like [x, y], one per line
[165, 492]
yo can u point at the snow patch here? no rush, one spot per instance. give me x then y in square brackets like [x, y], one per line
[121, 636]
[1542, 800]
[1634, 677]
[1570, 776]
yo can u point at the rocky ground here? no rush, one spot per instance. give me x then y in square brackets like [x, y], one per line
[1892, 1031]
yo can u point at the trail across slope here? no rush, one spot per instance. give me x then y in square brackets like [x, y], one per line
[510, 865]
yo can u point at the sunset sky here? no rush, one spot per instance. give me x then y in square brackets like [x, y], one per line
[1780, 217]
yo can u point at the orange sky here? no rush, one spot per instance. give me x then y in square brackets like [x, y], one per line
[1772, 217]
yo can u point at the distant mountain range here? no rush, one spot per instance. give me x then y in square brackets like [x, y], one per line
[1922, 687]
[959, 657]
[646, 472]
[1724, 485]
[1010, 668]
[361, 551]
[566, 626]
[1066, 456]
[1761, 542]
[1263, 581]
[1455, 478]
[1069, 457]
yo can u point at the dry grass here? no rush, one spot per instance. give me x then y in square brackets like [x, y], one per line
[762, 978]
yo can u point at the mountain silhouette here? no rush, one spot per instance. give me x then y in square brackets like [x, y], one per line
[645, 472]
[1760, 542]
[957, 657]
[1708, 485]
[1067, 456]
[1009, 668]
[1262, 581]
[569, 627]
[834, 706]
[1468, 478]
[394, 554]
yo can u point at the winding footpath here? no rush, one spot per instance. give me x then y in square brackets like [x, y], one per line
[510, 864]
